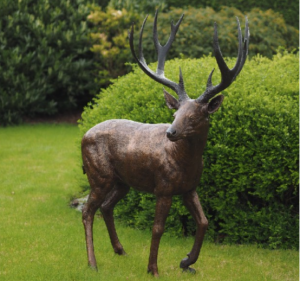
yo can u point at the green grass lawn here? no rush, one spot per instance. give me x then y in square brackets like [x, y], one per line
[42, 238]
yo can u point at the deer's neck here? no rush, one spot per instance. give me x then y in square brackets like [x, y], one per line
[189, 150]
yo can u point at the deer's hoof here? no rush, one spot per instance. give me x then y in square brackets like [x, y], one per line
[94, 268]
[189, 270]
[153, 272]
[184, 264]
[121, 252]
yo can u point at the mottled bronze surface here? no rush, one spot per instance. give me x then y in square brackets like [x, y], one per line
[161, 159]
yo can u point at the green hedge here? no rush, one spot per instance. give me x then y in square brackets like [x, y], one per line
[249, 189]
[45, 62]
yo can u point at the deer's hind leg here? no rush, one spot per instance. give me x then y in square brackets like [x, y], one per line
[113, 197]
[88, 213]
[99, 190]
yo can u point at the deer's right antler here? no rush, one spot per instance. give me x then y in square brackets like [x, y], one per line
[162, 54]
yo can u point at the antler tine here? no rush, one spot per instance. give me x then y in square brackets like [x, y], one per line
[227, 75]
[240, 54]
[162, 53]
[140, 60]
[246, 45]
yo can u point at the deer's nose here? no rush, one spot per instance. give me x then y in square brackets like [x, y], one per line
[170, 132]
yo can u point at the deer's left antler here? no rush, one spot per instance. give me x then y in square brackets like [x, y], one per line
[227, 75]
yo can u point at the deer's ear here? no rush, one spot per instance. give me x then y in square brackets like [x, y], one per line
[214, 104]
[171, 102]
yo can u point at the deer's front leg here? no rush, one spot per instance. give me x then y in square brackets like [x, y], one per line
[191, 201]
[163, 205]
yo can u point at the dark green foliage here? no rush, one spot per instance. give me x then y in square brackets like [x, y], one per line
[45, 62]
[193, 40]
[289, 9]
[102, 3]
[249, 188]
[138, 6]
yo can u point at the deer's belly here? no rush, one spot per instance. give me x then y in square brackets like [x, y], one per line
[160, 179]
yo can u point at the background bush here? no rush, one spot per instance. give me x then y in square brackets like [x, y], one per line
[138, 6]
[110, 40]
[45, 61]
[249, 188]
[194, 39]
[288, 9]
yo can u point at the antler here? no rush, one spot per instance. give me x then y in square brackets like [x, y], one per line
[227, 75]
[162, 54]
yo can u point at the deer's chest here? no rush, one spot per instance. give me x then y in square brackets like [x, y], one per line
[178, 178]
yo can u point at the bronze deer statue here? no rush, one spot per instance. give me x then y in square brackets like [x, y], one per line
[161, 159]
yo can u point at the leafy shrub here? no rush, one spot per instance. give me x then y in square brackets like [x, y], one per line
[111, 47]
[194, 38]
[249, 188]
[289, 9]
[138, 6]
[45, 61]
[269, 31]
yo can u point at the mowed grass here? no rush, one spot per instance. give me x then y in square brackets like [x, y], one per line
[42, 238]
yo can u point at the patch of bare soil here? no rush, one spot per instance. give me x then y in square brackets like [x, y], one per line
[67, 117]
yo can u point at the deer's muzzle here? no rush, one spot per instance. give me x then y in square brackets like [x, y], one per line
[171, 133]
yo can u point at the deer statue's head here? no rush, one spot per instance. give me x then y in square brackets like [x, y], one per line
[192, 115]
